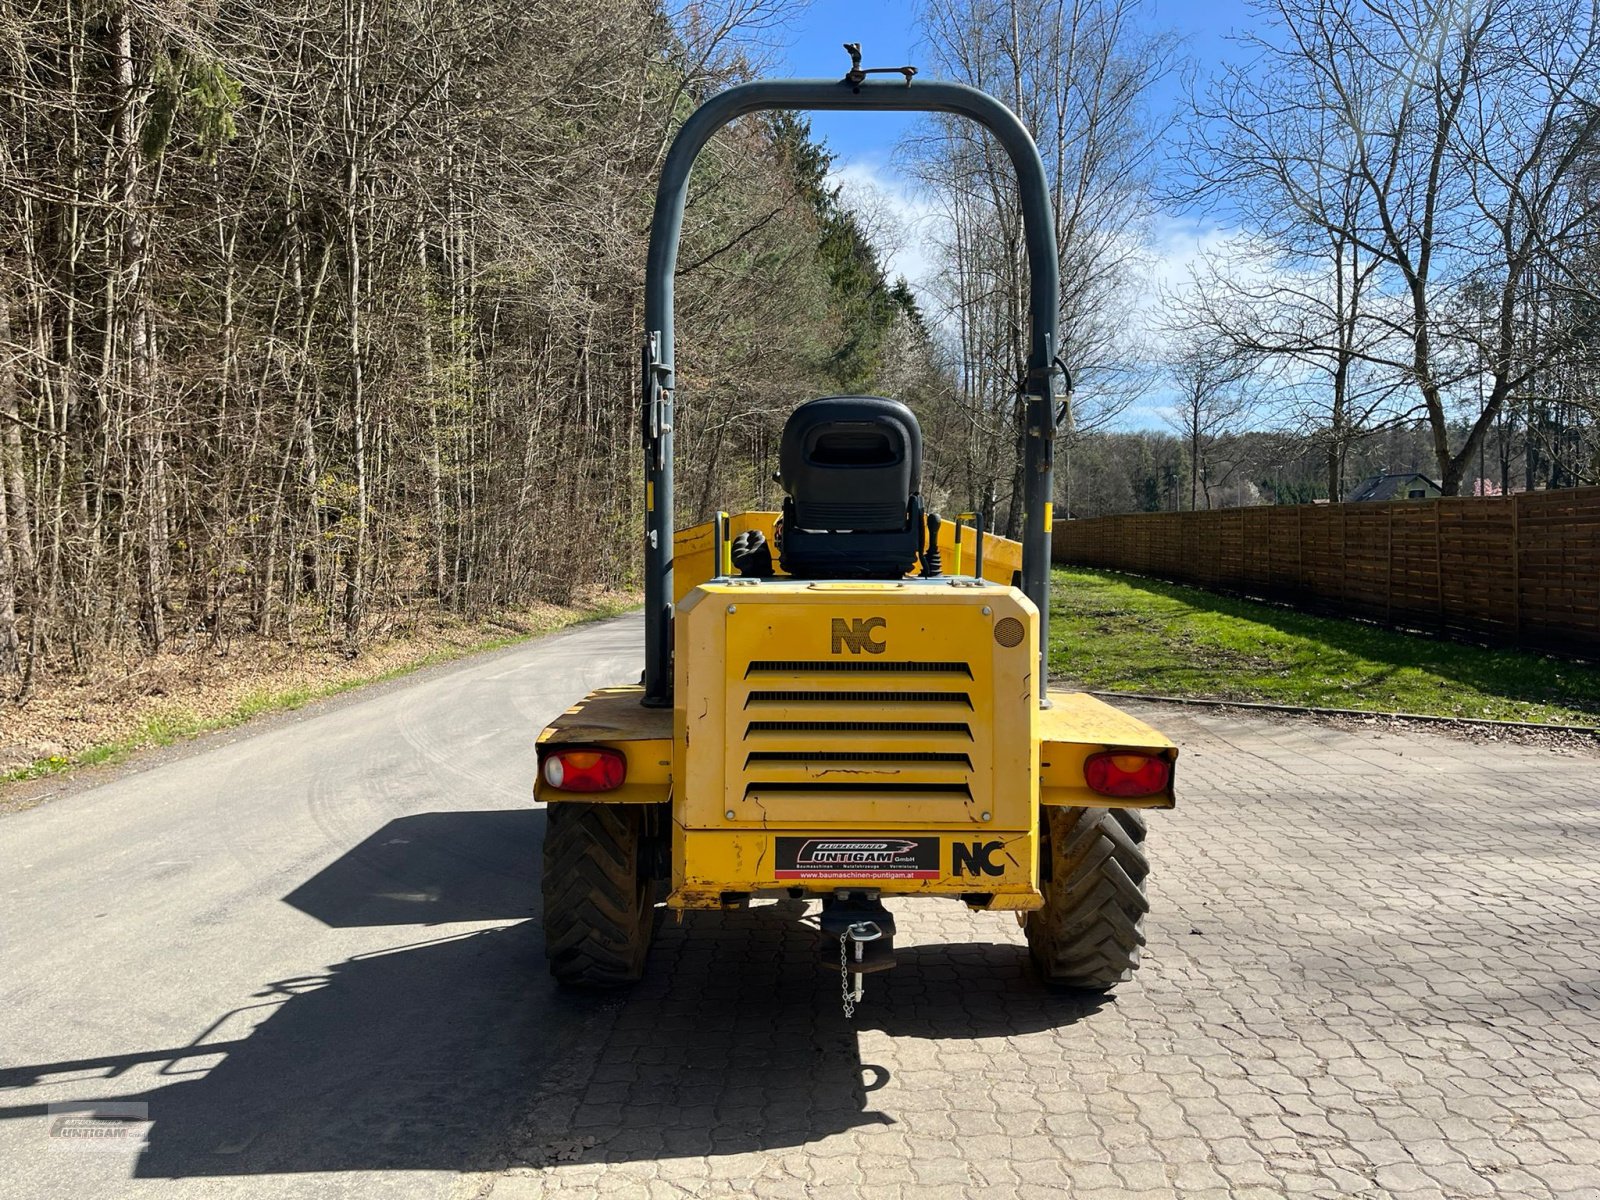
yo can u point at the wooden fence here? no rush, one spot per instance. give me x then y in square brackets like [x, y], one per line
[1523, 570]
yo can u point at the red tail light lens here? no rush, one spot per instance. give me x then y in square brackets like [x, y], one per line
[1127, 773]
[584, 770]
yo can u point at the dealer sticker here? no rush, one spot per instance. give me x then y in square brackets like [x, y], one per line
[857, 858]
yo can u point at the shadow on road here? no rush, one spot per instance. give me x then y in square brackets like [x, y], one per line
[458, 1053]
[432, 869]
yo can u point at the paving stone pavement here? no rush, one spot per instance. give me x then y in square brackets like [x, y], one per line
[1373, 970]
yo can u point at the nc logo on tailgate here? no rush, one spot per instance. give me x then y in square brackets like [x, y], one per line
[857, 635]
[976, 859]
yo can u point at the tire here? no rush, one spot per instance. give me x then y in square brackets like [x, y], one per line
[599, 910]
[1090, 931]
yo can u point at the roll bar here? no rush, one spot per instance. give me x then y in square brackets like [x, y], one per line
[666, 227]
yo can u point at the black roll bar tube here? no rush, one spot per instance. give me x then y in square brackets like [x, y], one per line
[666, 228]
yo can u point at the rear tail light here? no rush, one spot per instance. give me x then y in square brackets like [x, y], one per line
[1126, 773]
[584, 770]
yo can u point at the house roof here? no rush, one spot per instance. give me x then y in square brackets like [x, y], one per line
[1388, 487]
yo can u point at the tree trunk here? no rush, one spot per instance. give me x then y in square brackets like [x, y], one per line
[16, 489]
[355, 573]
[1194, 455]
[134, 303]
[9, 386]
[438, 552]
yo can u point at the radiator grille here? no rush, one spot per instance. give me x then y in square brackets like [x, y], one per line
[919, 746]
[846, 756]
[857, 697]
[828, 790]
[856, 666]
[957, 727]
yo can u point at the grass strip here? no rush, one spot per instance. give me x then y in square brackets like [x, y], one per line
[1123, 633]
[183, 723]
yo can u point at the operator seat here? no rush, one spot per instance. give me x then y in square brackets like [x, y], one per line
[851, 468]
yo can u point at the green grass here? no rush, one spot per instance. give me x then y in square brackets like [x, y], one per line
[1121, 633]
[170, 728]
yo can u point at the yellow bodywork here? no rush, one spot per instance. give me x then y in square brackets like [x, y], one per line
[613, 717]
[828, 735]
[693, 550]
[1077, 725]
[856, 711]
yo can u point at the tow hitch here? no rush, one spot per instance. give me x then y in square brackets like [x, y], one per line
[865, 932]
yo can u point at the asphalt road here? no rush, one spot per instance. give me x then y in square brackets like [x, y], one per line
[307, 951]
[1374, 970]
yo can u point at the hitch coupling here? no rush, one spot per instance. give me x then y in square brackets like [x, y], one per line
[865, 932]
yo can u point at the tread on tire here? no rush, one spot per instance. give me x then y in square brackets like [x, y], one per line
[1090, 931]
[599, 911]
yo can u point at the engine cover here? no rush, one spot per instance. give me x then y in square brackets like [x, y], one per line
[882, 734]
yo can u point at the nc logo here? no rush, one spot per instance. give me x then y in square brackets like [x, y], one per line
[857, 635]
[976, 859]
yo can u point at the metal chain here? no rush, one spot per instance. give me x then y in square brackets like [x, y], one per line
[844, 976]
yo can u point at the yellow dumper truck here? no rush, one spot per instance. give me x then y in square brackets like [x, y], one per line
[847, 701]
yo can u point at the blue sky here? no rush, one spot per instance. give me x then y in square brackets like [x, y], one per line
[864, 143]
[889, 37]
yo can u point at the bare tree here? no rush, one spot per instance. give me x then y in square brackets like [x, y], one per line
[1459, 126]
[1080, 75]
[1302, 294]
[1212, 406]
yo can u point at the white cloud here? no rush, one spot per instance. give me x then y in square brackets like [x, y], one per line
[1179, 248]
[899, 220]
[903, 222]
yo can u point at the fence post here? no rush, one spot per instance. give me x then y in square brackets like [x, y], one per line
[1516, 571]
[1438, 564]
[1299, 550]
[1266, 520]
[1388, 568]
[1344, 558]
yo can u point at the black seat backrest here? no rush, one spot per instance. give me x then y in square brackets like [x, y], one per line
[852, 468]
[851, 463]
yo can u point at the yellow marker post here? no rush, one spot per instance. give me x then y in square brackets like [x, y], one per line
[960, 517]
[725, 527]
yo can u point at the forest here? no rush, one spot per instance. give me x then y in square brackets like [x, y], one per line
[314, 313]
